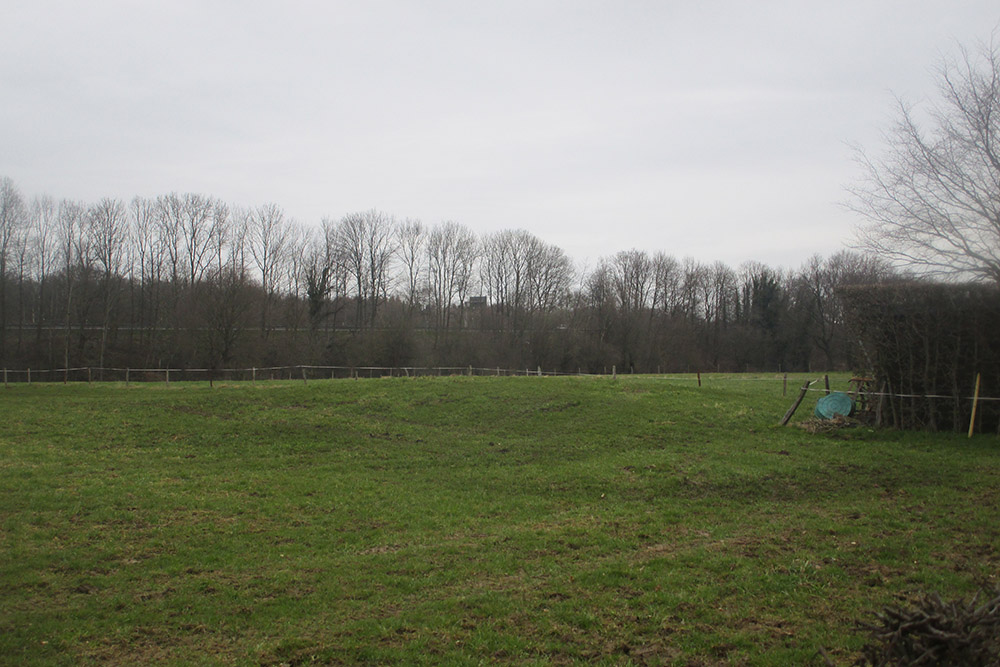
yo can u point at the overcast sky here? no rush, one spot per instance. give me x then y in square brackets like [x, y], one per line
[717, 130]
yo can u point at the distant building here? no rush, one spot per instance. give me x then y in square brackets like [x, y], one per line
[476, 302]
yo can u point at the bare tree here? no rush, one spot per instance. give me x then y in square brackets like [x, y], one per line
[43, 223]
[107, 223]
[817, 284]
[523, 275]
[412, 237]
[269, 237]
[367, 243]
[324, 275]
[24, 260]
[147, 262]
[73, 251]
[12, 220]
[197, 229]
[170, 221]
[632, 280]
[932, 198]
[451, 256]
[504, 273]
[666, 284]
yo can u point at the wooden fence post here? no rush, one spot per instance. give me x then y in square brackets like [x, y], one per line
[826, 381]
[126, 376]
[784, 385]
[795, 405]
[29, 376]
[90, 376]
[5, 378]
[699, 378]
[168, 376]
[614, 372]
[303, 374]
[975, 404]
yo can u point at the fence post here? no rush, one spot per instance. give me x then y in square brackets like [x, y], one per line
[168, 376]
[539, 371]
[253, 375]
[29, 376]
[795, 405]
[826, 381]
[5, 378]
[90, 377]
[614, 372]
[126, 376]
[784, 385]
[303, 374]
[975, 404]
[699, 378]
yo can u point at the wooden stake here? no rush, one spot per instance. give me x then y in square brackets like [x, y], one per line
[89, 376]
[881, 404]
[29, 376]
[303, 374]
[975, 404]
[126, 377]
[5, 379]
[826, 381]
[795, 405]
[784, 385]
[699, 378]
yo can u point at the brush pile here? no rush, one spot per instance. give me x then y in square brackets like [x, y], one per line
[935, 632]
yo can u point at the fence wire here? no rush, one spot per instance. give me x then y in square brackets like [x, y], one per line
[306, 372]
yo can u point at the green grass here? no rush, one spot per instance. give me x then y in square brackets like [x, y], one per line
[469, 520]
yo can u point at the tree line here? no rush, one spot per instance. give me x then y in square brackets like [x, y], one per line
[187, 280]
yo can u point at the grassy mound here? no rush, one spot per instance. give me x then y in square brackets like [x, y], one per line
[529, 520]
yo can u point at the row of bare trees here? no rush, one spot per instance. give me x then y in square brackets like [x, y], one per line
[187, 280]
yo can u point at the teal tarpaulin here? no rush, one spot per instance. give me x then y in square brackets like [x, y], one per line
[836, 403]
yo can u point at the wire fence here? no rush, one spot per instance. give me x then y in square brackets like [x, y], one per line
[306, 373]
[255, 373]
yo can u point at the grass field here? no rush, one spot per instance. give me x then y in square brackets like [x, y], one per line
[469, 520]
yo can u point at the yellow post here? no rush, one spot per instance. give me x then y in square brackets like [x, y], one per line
[975, 403]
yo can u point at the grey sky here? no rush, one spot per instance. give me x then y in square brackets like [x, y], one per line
[717, 130]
